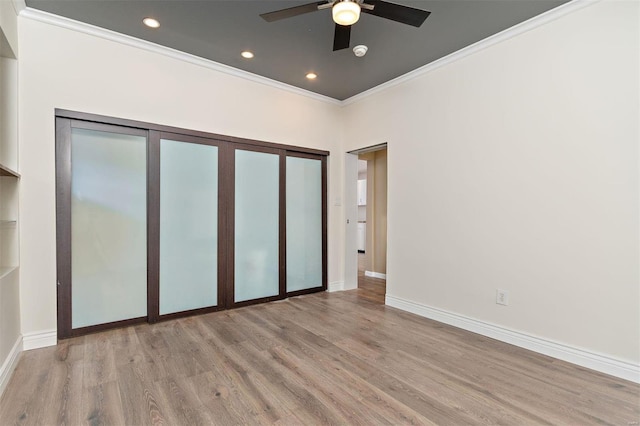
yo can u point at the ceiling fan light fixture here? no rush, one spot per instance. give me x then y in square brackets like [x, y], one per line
[346, 12]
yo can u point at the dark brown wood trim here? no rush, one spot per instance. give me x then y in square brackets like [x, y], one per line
[108, 127]
[255, 301]
[106, 326]
[282, 226]
[63, 223]
[324, 172]
[63, 226]
[256, 148]
[226, 224]
[66, 120]
[305, 291]
[231, 303]
[304, 155]
[155, 140]
[178, 137]
[191, 312]
[151, 126]
[153, 226]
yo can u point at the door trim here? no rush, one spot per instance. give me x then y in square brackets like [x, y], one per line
[63, 224]
[64, 113]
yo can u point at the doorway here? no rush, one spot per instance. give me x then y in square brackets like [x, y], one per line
[367, 215]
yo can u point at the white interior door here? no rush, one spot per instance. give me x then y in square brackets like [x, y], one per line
[351, 218]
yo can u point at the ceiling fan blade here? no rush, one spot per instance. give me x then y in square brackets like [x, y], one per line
[342, 37]
[396, 12]
[291, 11]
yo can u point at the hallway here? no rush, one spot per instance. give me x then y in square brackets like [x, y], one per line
[372, 289]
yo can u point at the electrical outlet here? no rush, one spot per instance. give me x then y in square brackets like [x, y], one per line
[502, 297]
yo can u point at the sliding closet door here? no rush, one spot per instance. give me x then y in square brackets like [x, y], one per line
[304, 217]
[188, 258]
[106, 228]
[257, 226]
[155, 222]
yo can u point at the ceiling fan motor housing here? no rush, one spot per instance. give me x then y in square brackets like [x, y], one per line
[345, 13]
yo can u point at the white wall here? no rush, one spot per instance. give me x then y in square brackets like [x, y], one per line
[513, 168]
[517, 168]
[61, 68]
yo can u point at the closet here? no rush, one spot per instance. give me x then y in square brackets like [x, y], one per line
[155, 222]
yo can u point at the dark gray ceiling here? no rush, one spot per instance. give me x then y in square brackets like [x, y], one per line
[286, 50]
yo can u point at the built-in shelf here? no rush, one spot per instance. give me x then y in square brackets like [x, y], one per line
[5, 171]
[10, 322]
[6, 270]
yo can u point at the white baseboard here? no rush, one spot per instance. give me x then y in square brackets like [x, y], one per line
[603, 363]
[375, 275]
[10, 364]
[39, 339]
[335, 286]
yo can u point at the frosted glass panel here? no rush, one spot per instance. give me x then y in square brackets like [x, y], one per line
[108, 227]
[256, 225]
[304, 223]
[188, 226]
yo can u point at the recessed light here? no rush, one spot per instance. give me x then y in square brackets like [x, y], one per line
[312, 75]
[247, 54]
[151, 23]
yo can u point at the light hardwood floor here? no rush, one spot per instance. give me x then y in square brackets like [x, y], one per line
[326, 358]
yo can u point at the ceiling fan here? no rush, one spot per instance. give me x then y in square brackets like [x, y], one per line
[347, 12]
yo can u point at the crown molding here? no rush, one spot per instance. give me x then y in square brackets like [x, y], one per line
[523, 27]
[19, 5]
[504, 35]
[60, 21]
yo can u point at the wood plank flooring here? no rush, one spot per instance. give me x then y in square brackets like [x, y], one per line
[325, 358]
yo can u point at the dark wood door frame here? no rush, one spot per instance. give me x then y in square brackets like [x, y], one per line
[227, 145]
[153, 214]
[323, 192]
[64, 283]
[231, 303]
